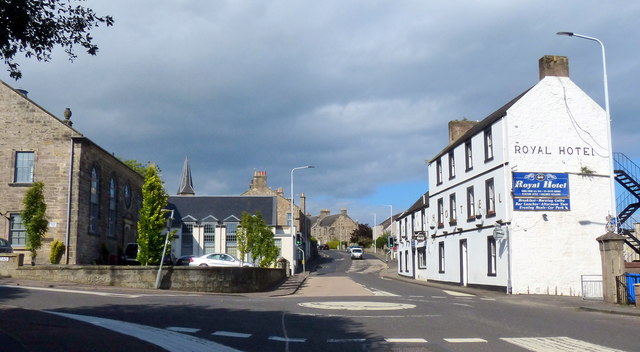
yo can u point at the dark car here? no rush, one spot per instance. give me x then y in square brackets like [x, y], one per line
[5, 246]
[184, 260]
[130, 256]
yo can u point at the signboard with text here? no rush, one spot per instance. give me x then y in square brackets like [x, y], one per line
[541, 191]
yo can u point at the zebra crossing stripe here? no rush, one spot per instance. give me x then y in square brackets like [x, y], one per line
[181, 329]
[556, 344]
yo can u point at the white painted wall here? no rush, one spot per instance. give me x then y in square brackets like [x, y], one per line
[555, 119]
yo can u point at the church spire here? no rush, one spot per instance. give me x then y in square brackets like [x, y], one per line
[186, 184]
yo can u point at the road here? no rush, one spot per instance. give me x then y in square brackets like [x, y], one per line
[344, 305]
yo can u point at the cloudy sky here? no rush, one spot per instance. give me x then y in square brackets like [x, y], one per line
[363, 90]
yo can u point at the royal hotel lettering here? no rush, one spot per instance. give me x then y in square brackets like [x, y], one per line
[546, 150]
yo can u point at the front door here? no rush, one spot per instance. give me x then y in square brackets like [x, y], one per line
[463, 263]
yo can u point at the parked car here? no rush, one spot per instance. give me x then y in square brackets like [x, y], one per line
[352, 247]
[356, 253]
[5, 246]
[324, 247]
[217, 259]
[184, 260]
[130, 256]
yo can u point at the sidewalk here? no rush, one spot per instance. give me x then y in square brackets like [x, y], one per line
[391, 272]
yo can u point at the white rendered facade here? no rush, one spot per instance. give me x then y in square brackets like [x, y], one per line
[553, 129]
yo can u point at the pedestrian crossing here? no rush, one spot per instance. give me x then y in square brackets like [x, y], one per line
[536, 344]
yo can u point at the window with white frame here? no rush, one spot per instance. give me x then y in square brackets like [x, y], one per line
[439, 171]
[278, 243]
[440, 212]
[94, 201]
[231, 238]
[453, 219]
[441, 257]
[452, 165]
[488, 145]
[113, 196]
[422, 258]
[406, 261]
[24, 166]
[491, 256]
[17, 231]
[490, 197]
[209, 238]
[288, 219]
[471, 208]
[468, 155]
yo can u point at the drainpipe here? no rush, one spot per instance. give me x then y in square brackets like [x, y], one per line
[69, 194]
[507, 216]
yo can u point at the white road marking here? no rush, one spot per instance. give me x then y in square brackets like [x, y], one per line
[405, 340]
[457, 294]
[181, 329]
[438, 297]
[357, 305]
[463, 304]
[169, 340]
[287, 339]
[377, 292]
[465, 340]
[416, 296]
[94, 293]
[370, 316]
[487, 299]
[345, 340]
[231, 334]
[556, 344]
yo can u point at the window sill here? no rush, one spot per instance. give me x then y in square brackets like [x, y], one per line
[491, 214]
[20, 184]
[491, 275]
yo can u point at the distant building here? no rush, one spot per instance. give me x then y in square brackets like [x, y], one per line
[412, 231]
[326, 227]
[92, 198]
[258, 187]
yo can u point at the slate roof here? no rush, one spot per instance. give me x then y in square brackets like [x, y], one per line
[480, 126]
[219, 208]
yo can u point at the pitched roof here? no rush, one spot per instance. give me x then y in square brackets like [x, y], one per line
[219, 208]
[480, 126]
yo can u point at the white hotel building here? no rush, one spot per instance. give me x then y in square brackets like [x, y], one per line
[517, 200]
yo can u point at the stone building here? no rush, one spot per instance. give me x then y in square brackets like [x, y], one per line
[258, 187]
[92, 197]
[326, 227]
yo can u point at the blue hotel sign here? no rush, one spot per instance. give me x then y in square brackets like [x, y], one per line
[541, 191]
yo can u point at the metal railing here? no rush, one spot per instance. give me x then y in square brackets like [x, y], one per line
[592, 287]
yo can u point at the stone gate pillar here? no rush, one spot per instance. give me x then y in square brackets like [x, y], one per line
[612, 258]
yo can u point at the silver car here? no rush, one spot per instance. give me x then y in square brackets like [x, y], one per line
[217, 259]
[356, 253]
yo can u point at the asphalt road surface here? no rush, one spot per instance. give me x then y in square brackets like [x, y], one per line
[344, 305]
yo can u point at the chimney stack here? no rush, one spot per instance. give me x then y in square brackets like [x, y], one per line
[259, 180]
[343, 212]
[459, 127]
[303, 204]
[552, 65]
[323, 213]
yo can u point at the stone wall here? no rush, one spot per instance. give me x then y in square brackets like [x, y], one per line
[210, 279]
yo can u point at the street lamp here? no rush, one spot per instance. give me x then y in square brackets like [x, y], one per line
[374, 233]
[612, 190]
[293, 226]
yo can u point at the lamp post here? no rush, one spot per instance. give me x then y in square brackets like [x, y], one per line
[614, 214]
[374, 233]
[293, 223]
[164, 249]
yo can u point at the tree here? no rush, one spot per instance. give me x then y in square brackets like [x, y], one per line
[138, 166]
[382, 240]
[362, 235]
[34, 218]
[152, 219]
[255, 237]
[35, 27]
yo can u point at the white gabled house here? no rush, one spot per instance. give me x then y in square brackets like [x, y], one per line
[412, 246]
[517, 200]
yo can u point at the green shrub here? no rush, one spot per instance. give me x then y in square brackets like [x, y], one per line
[57, 250]
[333, 244]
